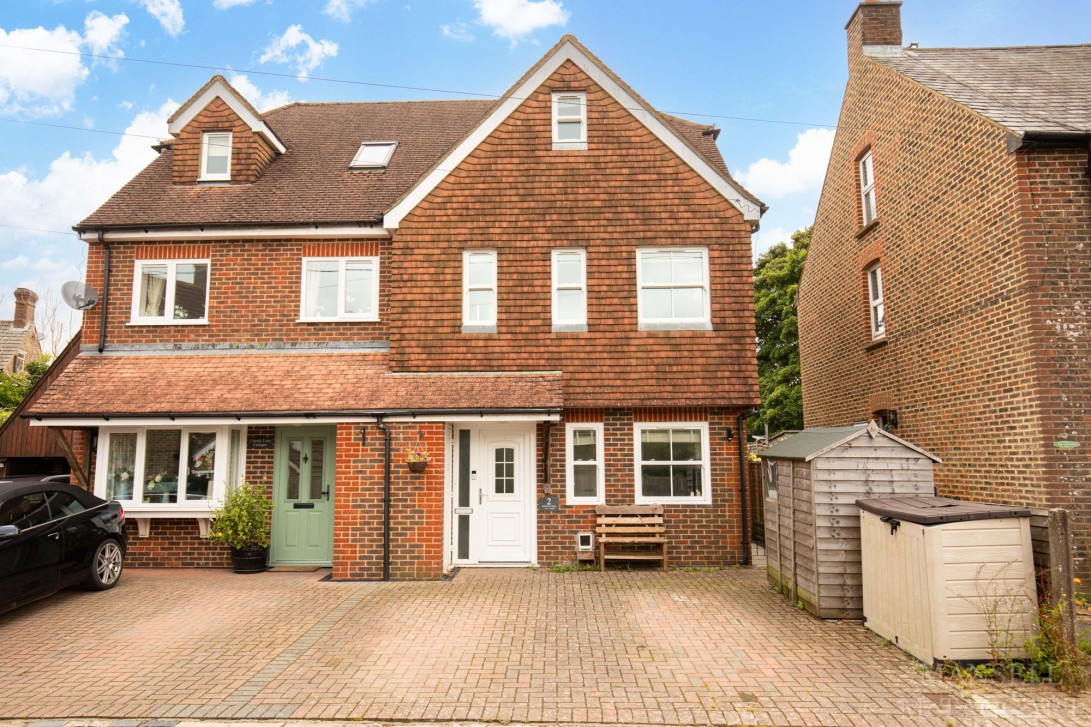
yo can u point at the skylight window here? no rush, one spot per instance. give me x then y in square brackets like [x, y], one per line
[373, 155]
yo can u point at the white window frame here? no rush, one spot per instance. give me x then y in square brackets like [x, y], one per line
[341, 273]
[875, 300]
[579, 144]
[867, 188]
[168, 318]
[706, 479]
[18, 362]
[390, 145]
[570, 474]
[483, 326]
[576, 324]
[217, 485]
[206, 141]
[704, 322]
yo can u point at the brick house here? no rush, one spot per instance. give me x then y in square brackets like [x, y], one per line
[19, 342]
[549, 294]
[947, 284]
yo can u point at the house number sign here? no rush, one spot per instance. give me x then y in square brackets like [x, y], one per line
[260, 443]
[549, 503]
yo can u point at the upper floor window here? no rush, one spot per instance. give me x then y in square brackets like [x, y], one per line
[17, 363]
[569, 290]
[875, 297]
[672, 463]
[867, 188]
[586, 474]
[570, 121]
[170, 291]
[216, 156]
[673, 289]
[373, 155]
[340, 288]
[479, 290]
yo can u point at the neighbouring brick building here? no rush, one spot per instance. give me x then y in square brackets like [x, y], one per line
[550, 294]
[19, 342]
[948, 283]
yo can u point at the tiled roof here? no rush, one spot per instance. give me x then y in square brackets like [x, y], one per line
[1036, 89]
[94, 385]
[11, 341]
[312, 182]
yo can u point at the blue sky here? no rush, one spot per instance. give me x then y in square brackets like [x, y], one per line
[770, 74]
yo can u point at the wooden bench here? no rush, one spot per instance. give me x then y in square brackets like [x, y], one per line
[631, 532]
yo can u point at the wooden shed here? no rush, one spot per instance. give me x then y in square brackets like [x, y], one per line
[812, 525]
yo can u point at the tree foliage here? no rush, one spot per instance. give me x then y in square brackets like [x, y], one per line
[776, 283]
[15, 387]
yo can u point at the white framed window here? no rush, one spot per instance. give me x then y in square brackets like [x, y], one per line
[479, 290]
[169, 468]
[17, 362]
[569, 289]
[340, 288]
[373, 155]
[673, 288]
[216, 156]
[875, 298]
[170, 292]
[586, 476]
[867, 188]
[672, 463]
[570, 121]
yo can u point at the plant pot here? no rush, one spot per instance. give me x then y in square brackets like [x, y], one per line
[249, 560]
[417, 467]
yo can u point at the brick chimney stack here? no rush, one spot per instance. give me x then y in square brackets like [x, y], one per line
[875, 23]
[25, 301]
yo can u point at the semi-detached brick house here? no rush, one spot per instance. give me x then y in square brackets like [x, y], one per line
[550, 294]
[948, 283]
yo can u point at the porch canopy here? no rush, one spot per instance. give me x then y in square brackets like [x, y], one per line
[248, 386]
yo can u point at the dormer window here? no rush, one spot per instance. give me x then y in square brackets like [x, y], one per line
[373, 155]
[569, 121]
[216, 157]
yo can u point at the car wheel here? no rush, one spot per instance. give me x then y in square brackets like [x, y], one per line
[105, 566]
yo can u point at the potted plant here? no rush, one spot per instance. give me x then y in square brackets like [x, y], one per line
[417, 459]
[242, 522]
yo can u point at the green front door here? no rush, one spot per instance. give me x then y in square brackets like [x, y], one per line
[303, 496]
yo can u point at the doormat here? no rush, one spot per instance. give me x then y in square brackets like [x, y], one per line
[295, 568]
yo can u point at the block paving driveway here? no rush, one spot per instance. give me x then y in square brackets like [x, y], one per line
[486, 646]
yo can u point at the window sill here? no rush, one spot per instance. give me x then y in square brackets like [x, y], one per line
[672, 326]
[570, 328]
[583, 502]
[876, 343]
[672, 501]
[478, 328]
[337, 320]
[868, 228]
[165, 322]
[143, 514]
[570, 146]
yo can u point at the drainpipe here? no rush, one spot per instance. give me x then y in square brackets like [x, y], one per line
[742, 484]
[105, 292]
[386, 496]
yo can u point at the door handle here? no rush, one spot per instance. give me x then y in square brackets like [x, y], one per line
[326, 495]
[479, 496]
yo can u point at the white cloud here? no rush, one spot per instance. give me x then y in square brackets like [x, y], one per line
[167, 12]
[457, 30]
[513, 19]
[225, 4]
[298, 48]
[40, 84]
[101, 32]
[342, 9]
[261, 101]
[803, 172]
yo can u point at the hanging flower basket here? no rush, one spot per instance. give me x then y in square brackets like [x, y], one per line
[418, 466]
[417, 459]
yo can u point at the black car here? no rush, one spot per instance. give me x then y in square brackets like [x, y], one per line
[54, 535]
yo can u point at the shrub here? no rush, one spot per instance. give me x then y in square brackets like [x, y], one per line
[242, 521]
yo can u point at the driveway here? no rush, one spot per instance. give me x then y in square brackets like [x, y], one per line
[488, 645]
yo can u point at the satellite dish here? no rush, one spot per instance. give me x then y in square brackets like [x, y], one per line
[79, 295]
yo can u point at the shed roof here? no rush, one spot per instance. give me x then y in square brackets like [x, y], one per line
[815, 441]
[936, 510]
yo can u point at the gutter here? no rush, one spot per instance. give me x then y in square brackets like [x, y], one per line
[742, 484]
[386, 495]
[240, 416]
[1030, 139]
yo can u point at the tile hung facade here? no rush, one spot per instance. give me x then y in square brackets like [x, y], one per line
[982, 222]
[550, 295]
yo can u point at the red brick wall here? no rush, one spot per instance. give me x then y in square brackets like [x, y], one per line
[250, 153]
[416, 508]
[514, 194]
[984, 257]
[177, 543]
[700, 535]
[254, 293]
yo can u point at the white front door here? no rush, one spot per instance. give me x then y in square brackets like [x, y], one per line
[496, 473]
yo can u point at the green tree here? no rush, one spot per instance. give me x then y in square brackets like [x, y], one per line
[15, 387]
[776, 283]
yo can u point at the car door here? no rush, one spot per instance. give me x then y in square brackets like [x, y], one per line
[29, 558]
[79, 537]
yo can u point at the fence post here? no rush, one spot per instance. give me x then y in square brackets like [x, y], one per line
[1061, 586]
